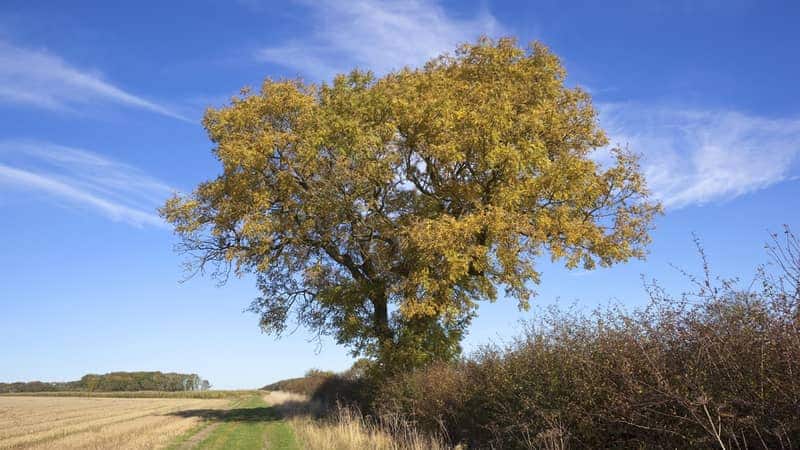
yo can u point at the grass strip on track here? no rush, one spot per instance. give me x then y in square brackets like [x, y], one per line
[249, 423]
[280, 436]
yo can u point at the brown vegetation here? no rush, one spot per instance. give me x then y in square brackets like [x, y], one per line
[717, 367]
[348, 429]
[306, 385]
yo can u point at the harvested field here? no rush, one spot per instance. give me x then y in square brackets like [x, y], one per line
[94, 423]
[140, 394]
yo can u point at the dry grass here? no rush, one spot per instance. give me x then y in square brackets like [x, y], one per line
[278, 398]
[94, 423]
[348, 430]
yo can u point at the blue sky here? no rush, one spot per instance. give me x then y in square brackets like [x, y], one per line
[100, 105]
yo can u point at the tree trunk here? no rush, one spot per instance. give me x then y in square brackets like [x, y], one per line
[381, 323]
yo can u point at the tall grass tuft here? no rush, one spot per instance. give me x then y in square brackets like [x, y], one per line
[348, 429]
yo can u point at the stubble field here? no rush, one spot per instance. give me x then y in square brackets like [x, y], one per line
[245, 420]
[81, 422]
[34, 422]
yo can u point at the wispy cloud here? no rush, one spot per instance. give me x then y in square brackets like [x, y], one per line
[79, 178]
[694, 157]
[44, 80]
[375, 35]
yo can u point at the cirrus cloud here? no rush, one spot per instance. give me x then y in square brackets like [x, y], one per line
[78, 178]
[695, 157]
[43, 80]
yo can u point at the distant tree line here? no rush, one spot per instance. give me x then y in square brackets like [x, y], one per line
[39, 386]
[116, 381]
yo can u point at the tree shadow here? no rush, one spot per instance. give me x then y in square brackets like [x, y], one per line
[255, 414]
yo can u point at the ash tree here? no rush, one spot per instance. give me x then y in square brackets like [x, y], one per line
[382, 210]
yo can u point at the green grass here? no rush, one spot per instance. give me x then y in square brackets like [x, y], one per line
[248, 424]
[280, 435]
[179, 442]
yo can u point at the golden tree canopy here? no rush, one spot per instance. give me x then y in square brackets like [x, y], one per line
[380, 210]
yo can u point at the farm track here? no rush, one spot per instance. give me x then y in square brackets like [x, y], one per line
[197, 438]
[251, 423]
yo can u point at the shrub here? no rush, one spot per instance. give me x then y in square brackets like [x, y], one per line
[306, 385]
[716, 367]
[354, 388]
